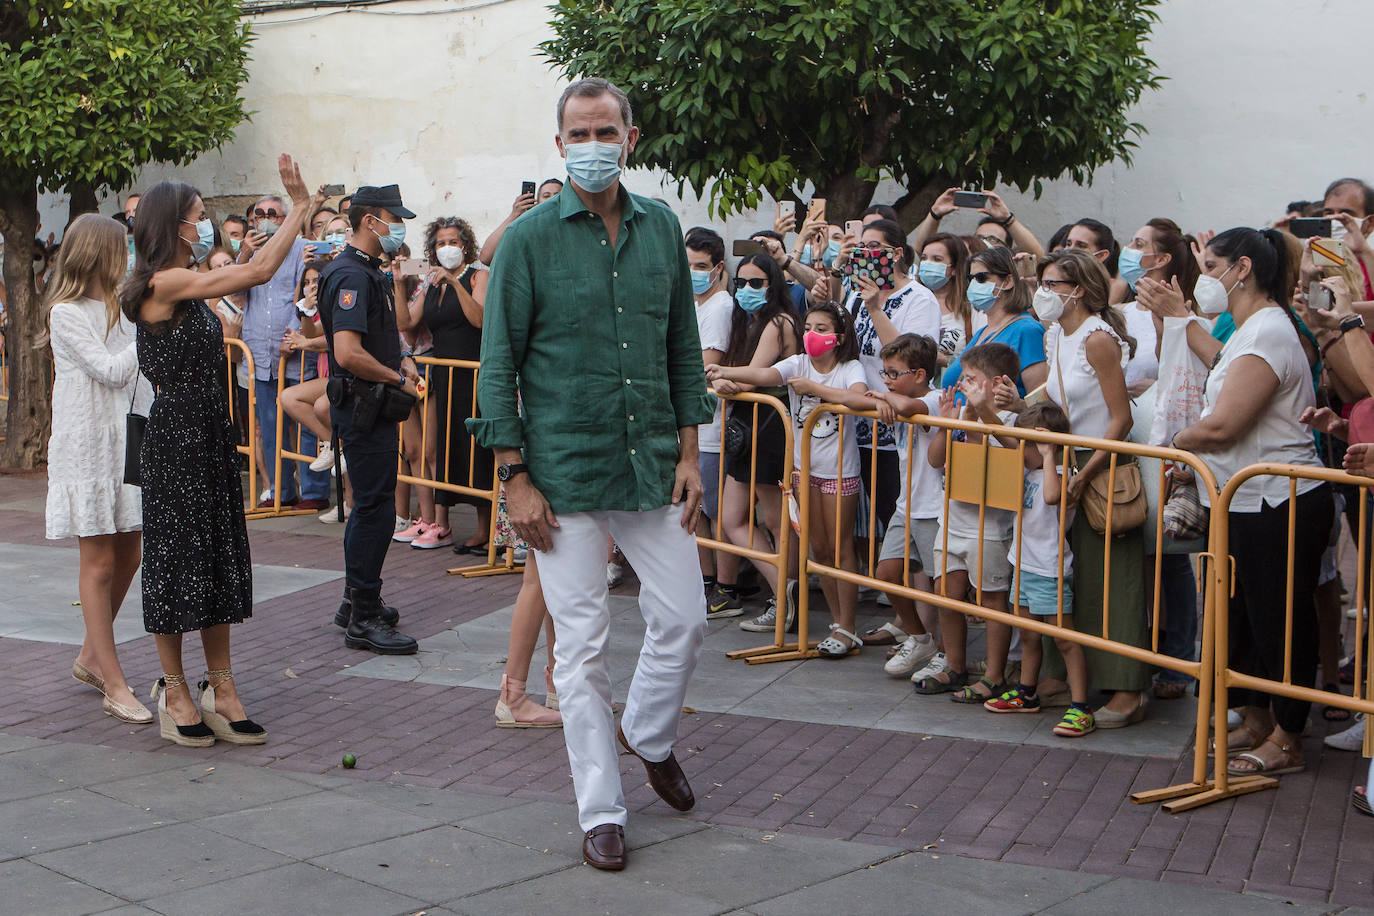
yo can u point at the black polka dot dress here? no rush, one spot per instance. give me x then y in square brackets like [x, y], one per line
[197, 571]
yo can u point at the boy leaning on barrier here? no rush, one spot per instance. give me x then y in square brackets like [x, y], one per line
[908, 367]
[1038, 575]
[959, 554]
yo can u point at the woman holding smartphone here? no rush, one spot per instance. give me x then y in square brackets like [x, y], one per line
[197, 573]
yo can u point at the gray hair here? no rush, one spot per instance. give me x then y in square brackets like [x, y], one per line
[591, 88]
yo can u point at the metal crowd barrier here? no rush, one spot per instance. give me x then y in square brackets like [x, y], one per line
[1226, 677]
[779, 556]
[282, 453]
[990, 476]
[250, 448]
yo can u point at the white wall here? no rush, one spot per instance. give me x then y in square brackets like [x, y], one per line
[1265, 101]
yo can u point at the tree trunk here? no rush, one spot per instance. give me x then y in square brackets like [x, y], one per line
[82, 200]
[913, 206]
[29, 414]
[846, 196]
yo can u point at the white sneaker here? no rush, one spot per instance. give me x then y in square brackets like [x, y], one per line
[916, 652]
[1352, 739]
[325, 461]
[615, 574]
[936, 665]
[331, 515]
[1233, 719]
[883, 600]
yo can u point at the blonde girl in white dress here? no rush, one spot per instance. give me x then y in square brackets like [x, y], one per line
[95, 376]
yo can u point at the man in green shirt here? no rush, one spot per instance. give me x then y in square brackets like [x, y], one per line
[590, 319]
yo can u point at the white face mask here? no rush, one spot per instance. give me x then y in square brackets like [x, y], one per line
[1211, 295]
[1048, 305]
[1338, 230]
[450, 256]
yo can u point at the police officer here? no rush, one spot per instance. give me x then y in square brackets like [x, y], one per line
[358, 310]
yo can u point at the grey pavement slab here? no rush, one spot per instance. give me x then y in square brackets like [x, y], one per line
[552, 827]
[81, 765]
[48, 822]
[853, 691]
[587, 891]
[336, 822]
[161, 861]
[1149, 898]
[295, 888]
[32, 890]
[40, 594]
[443, 863]
[202, 790]
[442, 805]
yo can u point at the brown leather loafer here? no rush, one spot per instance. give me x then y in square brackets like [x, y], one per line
[604, 847]
[665, 777]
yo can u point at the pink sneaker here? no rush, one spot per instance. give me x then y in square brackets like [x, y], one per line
[433, 536]
[406, 535]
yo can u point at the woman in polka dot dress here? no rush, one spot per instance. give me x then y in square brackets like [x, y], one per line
[197, 573]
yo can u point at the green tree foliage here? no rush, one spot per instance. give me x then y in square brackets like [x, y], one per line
[738, 98]
[91, 91]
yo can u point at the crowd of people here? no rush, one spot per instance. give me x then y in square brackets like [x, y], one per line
[1215, 344]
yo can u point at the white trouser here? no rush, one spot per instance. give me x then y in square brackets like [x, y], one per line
[673, 602]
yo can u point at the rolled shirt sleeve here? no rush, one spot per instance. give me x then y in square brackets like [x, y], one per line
[505, 333]
[692, 404]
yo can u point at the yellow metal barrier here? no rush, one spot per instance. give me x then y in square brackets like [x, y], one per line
[233, 345]
[1226, 677]
[990, 476]
[779, 557]
[282, 453]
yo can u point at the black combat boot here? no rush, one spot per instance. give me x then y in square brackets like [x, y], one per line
[389, 614]
[367, 630]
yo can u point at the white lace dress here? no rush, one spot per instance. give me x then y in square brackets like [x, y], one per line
[95, 375]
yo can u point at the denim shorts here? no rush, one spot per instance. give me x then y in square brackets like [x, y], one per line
[1041, 594]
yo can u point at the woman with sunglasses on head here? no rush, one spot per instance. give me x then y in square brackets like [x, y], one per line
[197, 573]
[763, 331]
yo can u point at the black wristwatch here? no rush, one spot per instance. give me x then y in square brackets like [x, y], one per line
[507, 471]
[1350, 323]
[400, 378]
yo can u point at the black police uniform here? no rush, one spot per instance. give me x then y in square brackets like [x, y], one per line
[355, 296]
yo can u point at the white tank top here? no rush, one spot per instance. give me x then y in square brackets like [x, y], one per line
[1081, 393]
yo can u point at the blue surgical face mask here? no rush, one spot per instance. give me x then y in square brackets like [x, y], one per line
[832, 251]
[1129, 267]
[395, 237]
[205, 239]
[267, 227]
[933, 274]
[335, 240]
[701, 281]
[235, 244]
[750, 299]
[594, 166]
[982, 295]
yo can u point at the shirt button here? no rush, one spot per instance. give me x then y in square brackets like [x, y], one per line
[624, 346]
[603, 241]
[619, 309]
[632, 416]
[632, 451]
[615, 273]
[627, 381]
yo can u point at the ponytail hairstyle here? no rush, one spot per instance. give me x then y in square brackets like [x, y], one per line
[846, 348]
[1089, 275]
[157, 240]
[1170, 240]
[1102, 235]
[1267, 253]
[746, 329]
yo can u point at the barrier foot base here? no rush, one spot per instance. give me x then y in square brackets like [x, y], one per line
[1236, 785]
[474, 572]
[1151, 796]
[787, 652]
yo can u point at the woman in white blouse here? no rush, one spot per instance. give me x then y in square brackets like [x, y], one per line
[95, 379]
[1088, 349]
[1259, 387]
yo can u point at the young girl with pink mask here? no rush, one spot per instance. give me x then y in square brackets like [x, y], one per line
[829, 372]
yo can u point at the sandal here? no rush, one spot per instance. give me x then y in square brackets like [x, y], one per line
[1238, 741]
[931, 684]
[1359, 800]
[970, 693]
[1291, 762]
[831, 647]
[889, 634]
[1335, 713]
[1170, 690]
[1075, 724]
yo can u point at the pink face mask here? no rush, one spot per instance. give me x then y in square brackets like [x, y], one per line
[819, 344]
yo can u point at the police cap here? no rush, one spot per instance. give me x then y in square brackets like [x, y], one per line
[386, 198]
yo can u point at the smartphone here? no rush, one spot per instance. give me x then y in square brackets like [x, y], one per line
[333, 190]
[527, 187]
[413, 267]
[1025, 268]
[853, 228]
[869, 263]
[787, 209]
[1328, 252]
[970, 199]
[816, 211]
[1310, 227]
[1318, 297]
[743, 248]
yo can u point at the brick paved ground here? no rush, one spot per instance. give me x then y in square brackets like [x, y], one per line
[1063, 808]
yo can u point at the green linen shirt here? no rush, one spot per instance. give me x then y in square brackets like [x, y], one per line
[601, 342]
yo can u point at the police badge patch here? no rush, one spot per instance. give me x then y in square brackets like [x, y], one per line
[347, 297]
